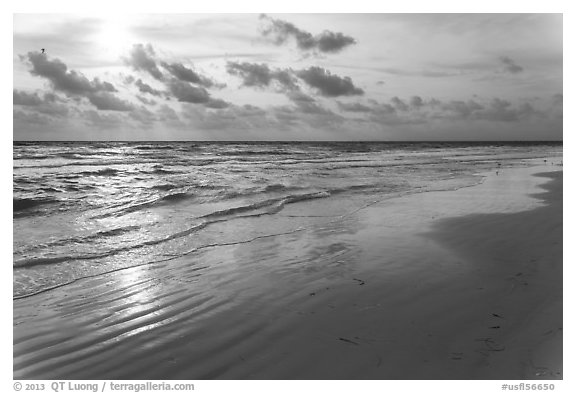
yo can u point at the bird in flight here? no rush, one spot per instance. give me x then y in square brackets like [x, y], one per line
[42, 50]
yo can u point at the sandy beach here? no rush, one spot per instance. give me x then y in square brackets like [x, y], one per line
[463, 284]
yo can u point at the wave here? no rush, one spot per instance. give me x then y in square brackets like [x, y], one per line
[176, 196]
[83, 239]
[168, 198]
[261, 153]
[280, 187]
[274, 205]
[154, 147]
[162, 171]
[101, 172]
[164, 187]
[30, 262]
[72, 156]
[31, 157]
[21, 204]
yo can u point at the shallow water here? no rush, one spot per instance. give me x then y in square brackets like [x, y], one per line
[83, 209]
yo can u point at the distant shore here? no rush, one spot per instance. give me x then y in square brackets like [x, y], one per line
[462, 284]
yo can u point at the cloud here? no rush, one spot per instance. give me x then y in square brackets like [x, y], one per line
[280, 32]
[146, 88]
[74, 84]
[143, 58]
[108, 102]
[185, 92]
[417, 110]
[260, 75]
[399, 104]
[48, 105]
[328, 84]
[354, 107]
[502, 110]
[185, 84]
[183, 73]
[510, 66]
[62, 79]
[217, 103]
[29, 118]
[313, 108]
[26, 99]
[143, 116]
[461, 109]
[146, 101]
[103, 121]
[416, 102]
[298, 96]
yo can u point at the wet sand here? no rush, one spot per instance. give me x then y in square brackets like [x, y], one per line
[462, 284]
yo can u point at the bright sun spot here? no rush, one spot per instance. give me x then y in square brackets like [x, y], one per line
[114, 38]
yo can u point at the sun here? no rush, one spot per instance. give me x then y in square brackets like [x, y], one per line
[114, 37]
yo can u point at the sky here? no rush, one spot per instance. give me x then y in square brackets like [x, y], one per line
[268, 76]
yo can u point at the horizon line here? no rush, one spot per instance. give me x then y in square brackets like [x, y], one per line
[290, 141]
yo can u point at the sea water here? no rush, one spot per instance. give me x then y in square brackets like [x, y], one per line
[85, 209]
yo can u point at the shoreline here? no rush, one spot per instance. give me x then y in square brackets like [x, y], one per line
[375, 296]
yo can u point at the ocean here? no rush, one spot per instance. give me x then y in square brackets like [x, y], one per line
[85, 209]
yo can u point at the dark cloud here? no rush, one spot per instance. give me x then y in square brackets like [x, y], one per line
[298, 96]
[306, 104]
[143, 58]
[217, 103]
[103, 121]
[461, 109]
[399, 104]
[502, 110]
[417, 110]
[143, 116]
[185, 92]
[510, 66]
[74, 84]
[26, 99]
[384, 109]
[146, 88]
[165, 113]
[185, 84]
[329, 42]
[313, 108]
[185, 74]
[416, 102]
[328, 84]
[108, 102]
[49, 104]
[146, 101]
[62, 79]
[29, 117]
[280, 32]
[260, 75]
[497, 109]
[354, 107]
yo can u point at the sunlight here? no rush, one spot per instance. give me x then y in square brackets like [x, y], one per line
[114, 38]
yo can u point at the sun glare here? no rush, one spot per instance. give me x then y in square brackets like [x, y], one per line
[114, 38]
